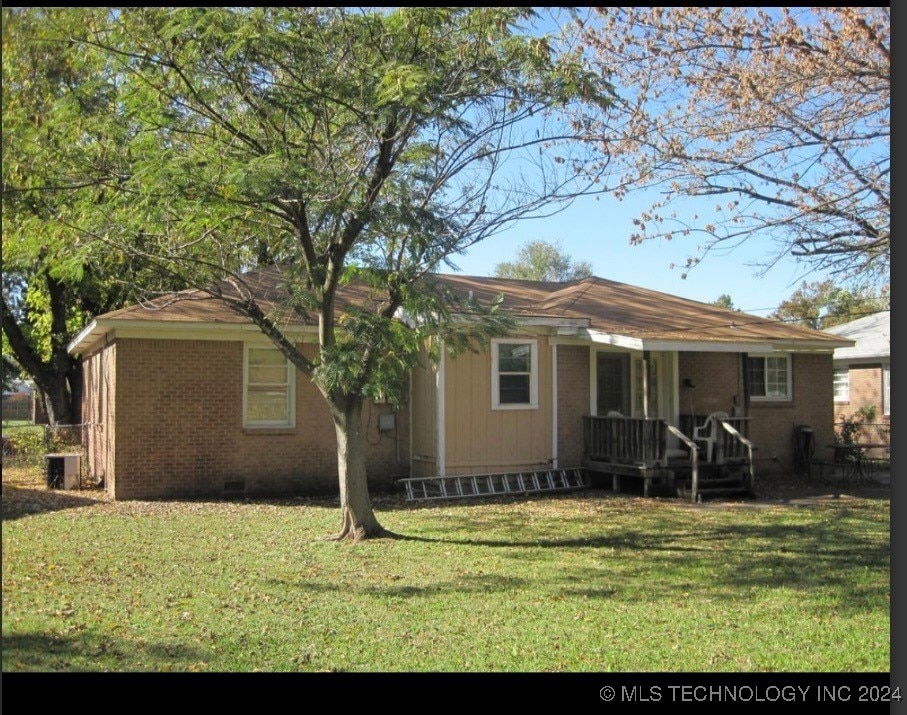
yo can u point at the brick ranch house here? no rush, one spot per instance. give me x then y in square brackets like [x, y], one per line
[187, 398]
[862, 373]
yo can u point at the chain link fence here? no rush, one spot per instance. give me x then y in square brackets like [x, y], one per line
[26, 446]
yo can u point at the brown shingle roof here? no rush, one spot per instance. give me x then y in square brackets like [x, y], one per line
[608, 306]
[628, 310]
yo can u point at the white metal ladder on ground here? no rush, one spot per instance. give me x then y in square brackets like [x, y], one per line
[485, 485]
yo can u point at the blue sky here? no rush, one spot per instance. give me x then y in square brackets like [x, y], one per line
[598, 231]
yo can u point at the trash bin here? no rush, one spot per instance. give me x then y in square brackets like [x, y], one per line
[804, 448]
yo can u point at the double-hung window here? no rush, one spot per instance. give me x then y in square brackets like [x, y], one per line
[841, 382]
[268, 388]
[769, 377]
[886, 389]
[514, 374]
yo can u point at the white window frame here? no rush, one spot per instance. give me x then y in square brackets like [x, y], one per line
[886, 389]
[790, 377]
[845, 392]
[290, 390]
[533, 374]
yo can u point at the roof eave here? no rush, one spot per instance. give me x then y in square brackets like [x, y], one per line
[87, 337]
[767, 345]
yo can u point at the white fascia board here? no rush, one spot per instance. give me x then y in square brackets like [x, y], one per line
[807, 346]
[876, 360]
[76, 344]
[711, 346]
[173, 330]
[621, 341]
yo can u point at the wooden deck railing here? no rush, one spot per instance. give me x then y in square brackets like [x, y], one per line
[689, 423]
[625, 444]
[627, 440]
[636, 440]
[694, 459]
[736, 447]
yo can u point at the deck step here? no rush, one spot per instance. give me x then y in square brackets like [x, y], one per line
[713, 487]
[722, 482]
[484, 485]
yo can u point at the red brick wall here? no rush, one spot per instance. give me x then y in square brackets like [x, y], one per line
[866, 387]
[179, 428]
[865, 391]
[718, 379]
[572, 402]
[812, 404]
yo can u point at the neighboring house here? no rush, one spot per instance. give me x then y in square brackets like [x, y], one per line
[862, 373]
[19, 402]
[188, 398]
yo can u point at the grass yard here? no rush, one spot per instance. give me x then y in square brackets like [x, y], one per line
[585, 582]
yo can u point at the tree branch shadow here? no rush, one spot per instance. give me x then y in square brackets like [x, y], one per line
[23, 501]
[49, 652]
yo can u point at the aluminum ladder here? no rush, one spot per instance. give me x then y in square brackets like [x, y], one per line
[486, 485]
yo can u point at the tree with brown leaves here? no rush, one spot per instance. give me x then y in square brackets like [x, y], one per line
[782, 116]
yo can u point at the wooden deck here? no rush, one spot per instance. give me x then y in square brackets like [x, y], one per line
[638, 448]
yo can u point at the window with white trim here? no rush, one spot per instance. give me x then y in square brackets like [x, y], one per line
[886, 389]
[769, 377]
[514, 374]
[841, 380]
[269, 385]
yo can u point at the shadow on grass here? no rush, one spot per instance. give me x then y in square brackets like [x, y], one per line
[844, 557]
[24, 501]
[46, 652]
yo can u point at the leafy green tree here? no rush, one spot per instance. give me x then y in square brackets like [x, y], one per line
[62, 170]
[9, 371]
[48, 105]
[822, 304]
[543, 261]
[341, 145]
[724, 301]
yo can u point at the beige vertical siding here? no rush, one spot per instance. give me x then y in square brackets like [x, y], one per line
[425, 419]
[482, 440]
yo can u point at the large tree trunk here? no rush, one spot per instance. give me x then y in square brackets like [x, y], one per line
[60, 378]
[358, 517]
[63, 407]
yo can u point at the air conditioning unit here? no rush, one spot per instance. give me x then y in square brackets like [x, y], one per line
[64, 471]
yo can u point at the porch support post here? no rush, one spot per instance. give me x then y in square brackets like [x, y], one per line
[647, 431]
[646, 357]
[746, 385]
[554, 406]
[442, 429]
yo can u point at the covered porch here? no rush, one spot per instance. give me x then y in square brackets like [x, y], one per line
[649, 420]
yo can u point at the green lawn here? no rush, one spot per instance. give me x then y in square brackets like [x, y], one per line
[586, 582]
